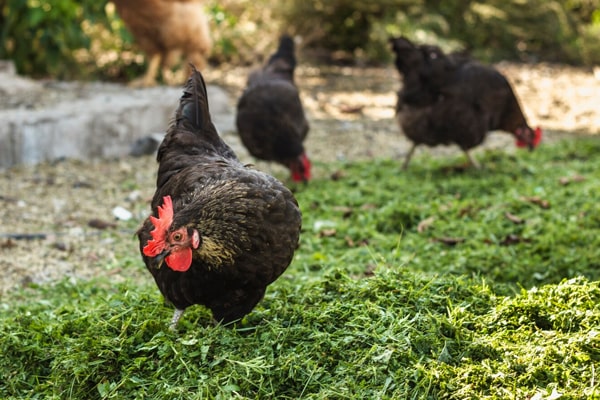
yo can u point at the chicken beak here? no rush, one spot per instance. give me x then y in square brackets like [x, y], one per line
[160, 259]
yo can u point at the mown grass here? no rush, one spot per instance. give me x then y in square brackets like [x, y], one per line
[426, 284]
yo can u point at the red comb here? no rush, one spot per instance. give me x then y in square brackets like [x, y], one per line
[161, 224]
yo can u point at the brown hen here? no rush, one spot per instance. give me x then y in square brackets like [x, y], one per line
[164, 30]
[219, 232]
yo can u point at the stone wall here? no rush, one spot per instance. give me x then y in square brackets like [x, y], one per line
[44, 121]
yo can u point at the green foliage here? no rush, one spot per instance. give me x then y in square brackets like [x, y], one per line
[493, 29]
[41, 36]
[353, 27]
[375, 304]
[242, 31]
[533, 30]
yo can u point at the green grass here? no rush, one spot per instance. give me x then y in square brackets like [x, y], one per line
[494, 296]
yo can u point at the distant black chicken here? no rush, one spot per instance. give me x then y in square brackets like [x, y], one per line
[270, 118]
[219, 232]
[450, 98]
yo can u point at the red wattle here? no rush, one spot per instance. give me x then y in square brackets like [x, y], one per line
[180, 261]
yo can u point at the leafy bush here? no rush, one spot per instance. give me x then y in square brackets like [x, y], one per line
[559, 30]
[41, 36]
[243, 31]
[533, 30]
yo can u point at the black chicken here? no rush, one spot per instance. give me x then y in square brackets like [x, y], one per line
[225, 231]
[450, 98]
[270, 118]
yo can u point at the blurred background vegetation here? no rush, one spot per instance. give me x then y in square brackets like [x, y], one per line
[85, 39]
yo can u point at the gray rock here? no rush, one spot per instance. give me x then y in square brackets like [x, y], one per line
[45, 122]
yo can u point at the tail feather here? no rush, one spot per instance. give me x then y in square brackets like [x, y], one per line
[193, 112]
[285, 51]
[192, 134]
[282, 63]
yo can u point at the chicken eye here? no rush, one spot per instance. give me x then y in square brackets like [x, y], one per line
[177, 236]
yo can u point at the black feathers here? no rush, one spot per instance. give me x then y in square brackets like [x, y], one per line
[193, 111]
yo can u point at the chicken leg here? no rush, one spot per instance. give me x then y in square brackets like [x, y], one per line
[176, 316]
[149, 78]
[171, 77]
[472, 160]
[408, 156]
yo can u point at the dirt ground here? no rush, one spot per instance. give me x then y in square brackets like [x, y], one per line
[55, 215]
